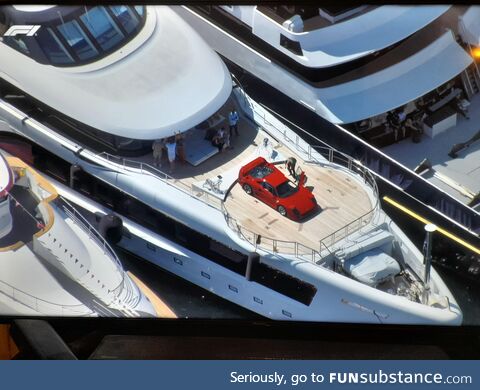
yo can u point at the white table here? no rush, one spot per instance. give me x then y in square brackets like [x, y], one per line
[442, 123]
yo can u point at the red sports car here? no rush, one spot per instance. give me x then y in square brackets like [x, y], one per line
[267, 183]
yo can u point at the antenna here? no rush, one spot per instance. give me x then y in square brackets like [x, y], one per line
[430, 229]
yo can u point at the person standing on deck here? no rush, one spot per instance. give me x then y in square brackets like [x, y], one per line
[157, 148]
[290, 164]
[233, 119]
[171, 152]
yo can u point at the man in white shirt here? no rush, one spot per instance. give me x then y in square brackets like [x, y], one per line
[171, 146]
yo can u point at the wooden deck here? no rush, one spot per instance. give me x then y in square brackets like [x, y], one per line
[341, 198]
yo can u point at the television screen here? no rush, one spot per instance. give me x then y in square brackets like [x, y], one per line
[284, 162]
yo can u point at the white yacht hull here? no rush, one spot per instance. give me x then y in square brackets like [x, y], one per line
[338, 298]
[335, 300]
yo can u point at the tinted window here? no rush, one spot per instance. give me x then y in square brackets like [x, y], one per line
[52, 47]
[126, 17]
[18, 44]
[77, 40]
[286, 189]
[268, 187]
[102, 27]
[140, 9]
[260, 171]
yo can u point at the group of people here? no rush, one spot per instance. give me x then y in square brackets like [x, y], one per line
[173, 145]
[462, 105]
[222, 138]
[400, 124]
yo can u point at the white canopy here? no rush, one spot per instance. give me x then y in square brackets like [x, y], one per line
[396, 85]
[366, 33]
[156, 85]
[470, 25]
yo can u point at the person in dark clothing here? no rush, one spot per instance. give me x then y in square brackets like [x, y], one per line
[219, 139]
[290, 165]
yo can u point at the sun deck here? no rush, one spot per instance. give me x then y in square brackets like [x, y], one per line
[343, 198]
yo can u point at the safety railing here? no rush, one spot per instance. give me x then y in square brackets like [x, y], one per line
[145, 168]
[93, 234]
[270, 244]
[302, 251]
[40, 305]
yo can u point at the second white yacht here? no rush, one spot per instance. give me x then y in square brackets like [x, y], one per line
[53, 262]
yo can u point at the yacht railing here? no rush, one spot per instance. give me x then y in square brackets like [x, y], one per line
[145, 168]
[40, 305]
[268, 244]
[302, 251]
[79, 220]
[93, 234]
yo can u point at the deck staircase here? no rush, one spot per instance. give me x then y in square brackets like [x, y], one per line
[471, 75]
[471, 80]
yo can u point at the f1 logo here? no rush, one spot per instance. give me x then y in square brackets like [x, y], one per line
[27, 30]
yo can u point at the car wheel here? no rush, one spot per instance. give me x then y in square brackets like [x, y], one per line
[282, 210]
[247, 189]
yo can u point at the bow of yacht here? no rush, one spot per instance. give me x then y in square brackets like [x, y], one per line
[53, 261]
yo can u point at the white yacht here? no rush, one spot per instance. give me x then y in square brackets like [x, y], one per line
[97, 85]
[352, 65]
[53, 263]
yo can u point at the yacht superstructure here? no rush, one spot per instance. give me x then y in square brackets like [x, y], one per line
[347, 263]
[53, 262]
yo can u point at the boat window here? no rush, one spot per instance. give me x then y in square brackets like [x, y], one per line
[140, 9]
[126, 17]
[80, 37]
[260, 171]
[102, 27]
[17, 43]
[268, 187]
[52, 47]
[293, 46]
[77, 40]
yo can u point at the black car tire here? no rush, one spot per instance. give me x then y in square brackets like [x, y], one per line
[282, 210]
[247, 189]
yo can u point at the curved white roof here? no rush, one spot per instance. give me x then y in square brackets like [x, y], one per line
[171, 82]
[396, 85]
[32, 8]
[353, 38]
[469, 25]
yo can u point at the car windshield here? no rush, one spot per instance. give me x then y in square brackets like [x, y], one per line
[286, 189]
[260, 171]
